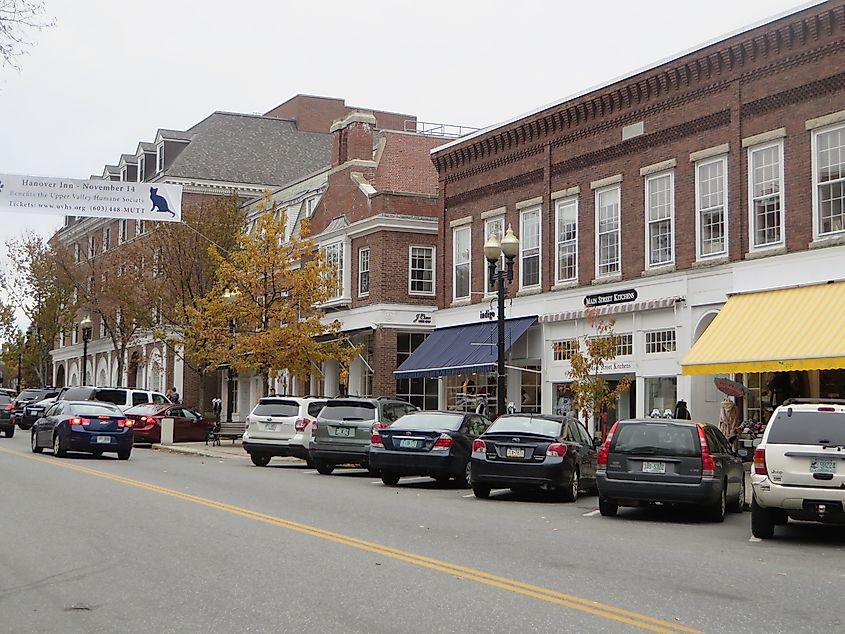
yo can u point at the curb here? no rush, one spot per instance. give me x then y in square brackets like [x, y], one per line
[190, 451]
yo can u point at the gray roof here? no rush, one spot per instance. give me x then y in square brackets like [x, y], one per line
[143, 146]
[239, 148]
[129, 159]
[111, 169]
[179, 135]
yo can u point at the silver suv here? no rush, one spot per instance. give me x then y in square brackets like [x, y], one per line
[281, 426]
[799, 467]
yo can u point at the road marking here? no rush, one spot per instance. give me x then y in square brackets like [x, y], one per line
[471, 495]
[591, 513]
[517, 587]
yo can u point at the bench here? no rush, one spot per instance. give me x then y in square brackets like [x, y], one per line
[233, 431]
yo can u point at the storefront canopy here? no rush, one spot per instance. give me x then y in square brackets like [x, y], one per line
[800, 328]
[461, 349]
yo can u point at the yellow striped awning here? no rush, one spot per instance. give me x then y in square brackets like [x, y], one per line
[801, 328]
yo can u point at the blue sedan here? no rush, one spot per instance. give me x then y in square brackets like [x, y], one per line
[87, 426]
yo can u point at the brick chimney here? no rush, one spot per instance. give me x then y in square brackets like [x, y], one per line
[352, 138]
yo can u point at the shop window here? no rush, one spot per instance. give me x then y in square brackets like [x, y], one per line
[564, 349]
[711, 206]
[422, 391]
[657, 341]
[661, 394]
[529, 244]
[421, 273]
[766, 206]
[625, 344]
[493, 226]
[607, 231]
[465, 392]
[564, 399]
[659, 219]
[829, 176]
[531, 390]
[363, 272]
[462, 258]
[567, 240]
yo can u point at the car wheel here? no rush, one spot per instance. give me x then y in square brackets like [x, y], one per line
[34, 444]
[465, 478]
[389, 478]
[97, 453]
[607, 508]
[58, 446]
[480, 491]
[716, 512]
[259, 460]
[780, 517]
[10, 432]
[739, 505]
[569, 492]
[762, 521]
[323, 467]
[124, 454]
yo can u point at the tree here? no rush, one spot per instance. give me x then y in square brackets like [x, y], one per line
[592, 393]
[17, 17]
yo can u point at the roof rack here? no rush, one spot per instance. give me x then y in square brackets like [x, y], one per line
[814, 401]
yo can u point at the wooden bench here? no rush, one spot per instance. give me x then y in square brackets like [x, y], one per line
[233, 431]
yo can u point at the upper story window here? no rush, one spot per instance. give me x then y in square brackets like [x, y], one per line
[92, 246]
[421, 271]
[156, 263]
[564, 349]
[309, 206]
[529, 247]
[462, 259]
[493, 226]
[75, 334]
[625, 344]
[607, 231]
[106, 238]
[123, 231]
[124, 171]
[657, 341]
[77, 253]
[160, 157]
[334, 258]
[102, 327]
[140, 227]
[829, 180]
[660, 212]
[363, 272]
[566, 241]
[765, 176]
[711, 206]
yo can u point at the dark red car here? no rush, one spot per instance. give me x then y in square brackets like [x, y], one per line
[188, 425]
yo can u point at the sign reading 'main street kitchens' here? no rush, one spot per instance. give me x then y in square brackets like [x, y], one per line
[90, 198]
[611, 297]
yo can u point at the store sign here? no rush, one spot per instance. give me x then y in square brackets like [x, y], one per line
[612, 297]
[618, 366]
[422, 318]
[90, 198]
[487, 314]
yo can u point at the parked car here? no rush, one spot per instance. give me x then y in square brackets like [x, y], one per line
[8, 392]
[33, 410]
[7, 406]
[281, 426]
[669, 461]
[430, 443]
[85, 426]
[188, 425]
[25, 412]
[123, 397]
[345, 427]
[533, 451]
[799, 467]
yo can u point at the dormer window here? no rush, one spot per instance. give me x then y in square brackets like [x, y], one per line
[309, 206]
[160, 157]
[123, 172]
[140, 176]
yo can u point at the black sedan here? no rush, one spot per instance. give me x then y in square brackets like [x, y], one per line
[86, 426]
[525, 451]
[28, 406]
[434, 444]
[7, 406]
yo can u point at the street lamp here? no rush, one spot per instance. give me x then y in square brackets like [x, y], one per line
[85, 325]
[20, 355]
[493, 251]
[229, 297]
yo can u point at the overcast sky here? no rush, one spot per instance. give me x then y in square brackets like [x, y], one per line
[109, 74]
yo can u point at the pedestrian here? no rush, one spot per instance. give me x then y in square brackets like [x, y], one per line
[173, 395]
[272, 391]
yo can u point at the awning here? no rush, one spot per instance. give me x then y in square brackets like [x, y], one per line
[461, 349]
[341, 334]
[801, 328]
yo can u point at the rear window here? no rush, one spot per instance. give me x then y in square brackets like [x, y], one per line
[91, 409]
[77, 394]
[656, 438]
[525, 424]
[118, 397]
[273, 407]
[144, 410]
[429, 420]
[315, 408]
[807, 428]
[29, 395]
[344, 410]
[5, 399]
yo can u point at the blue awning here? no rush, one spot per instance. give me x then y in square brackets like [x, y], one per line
[461, 349]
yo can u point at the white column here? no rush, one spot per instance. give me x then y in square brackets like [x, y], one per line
[179, 370]
[356, 377]
[442, 399]
[332, 372]
[514, 388]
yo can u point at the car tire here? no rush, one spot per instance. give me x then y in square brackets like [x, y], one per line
[259, 460]
[716, 512]
[97, 453]
[762, 521]
[607, 508]
[58, 446]
[323, 467]
[124, 454]
[34, 444]
[739, 505]
[10, 432]
[569, 492]
[781, 517]
[481, 491]
[465, 479]
[389, 478]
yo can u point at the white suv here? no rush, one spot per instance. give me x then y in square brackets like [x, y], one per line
[799, 468]
[281, 426]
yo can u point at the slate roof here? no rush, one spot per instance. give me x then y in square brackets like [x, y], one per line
[143, 146]
[179, 135]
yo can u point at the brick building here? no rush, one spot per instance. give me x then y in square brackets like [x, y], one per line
[656, 197]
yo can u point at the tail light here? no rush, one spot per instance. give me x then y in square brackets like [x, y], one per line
[760, 467]
[10, 407]
[708, 464]
[128, 422]
[76, 420]
[313, 428]
[378, 425]
[479, 446]
[301, 424]
[375, 441]
[443, 443]
[604, 452]
[556, 449]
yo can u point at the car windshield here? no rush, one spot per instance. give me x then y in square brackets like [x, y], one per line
[429, 420]
[807, 428]
[144, 410]
[92, 409]
[274, 407]
[656, 438]
[525, 425]
[343, 410]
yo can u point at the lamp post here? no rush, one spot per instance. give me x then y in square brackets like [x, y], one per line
[229, 297]
[494, 248]
[85, 325]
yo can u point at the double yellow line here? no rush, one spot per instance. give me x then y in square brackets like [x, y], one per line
[536, 592]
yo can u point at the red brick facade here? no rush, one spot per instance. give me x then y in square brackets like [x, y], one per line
[316, 114]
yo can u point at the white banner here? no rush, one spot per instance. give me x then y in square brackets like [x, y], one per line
[95, 198]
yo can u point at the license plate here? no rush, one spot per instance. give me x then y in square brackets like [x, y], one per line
[654, 467]
[404, 443]
[270, 426]
[819, 465]
[103, 440]
[347, 432]
[514, 452]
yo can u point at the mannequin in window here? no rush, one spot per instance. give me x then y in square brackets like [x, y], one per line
[728, 418]
[681, 411]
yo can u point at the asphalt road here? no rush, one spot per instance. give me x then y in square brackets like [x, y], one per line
[174, 543]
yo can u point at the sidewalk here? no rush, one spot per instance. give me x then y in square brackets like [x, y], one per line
[226, 449]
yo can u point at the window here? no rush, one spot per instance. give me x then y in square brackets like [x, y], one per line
[140, 227]
[156, 263]
[140, 175]
[123, 171]
[155, 314]
[106, 238]
[102, 327]
[657, 341]
[160, 157]
[659, 197]
[566, 221]
[829, 176]
[75, 334]
[74, 296]
[309, 206]
[421, 391]
[334, 258]
[421, 275]
[607, 231]
[493, 226]
[564, 349]
[625, 344]
[92, 246]
[660, 394]
[462, 245]
[123, 231]
[766, 208]
[529, 246]
[363, 272]
[77, 253]
[710, 206]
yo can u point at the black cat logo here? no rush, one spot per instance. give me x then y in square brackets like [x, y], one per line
[159, 202]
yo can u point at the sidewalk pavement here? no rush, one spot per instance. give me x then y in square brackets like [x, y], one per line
[226, 449]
